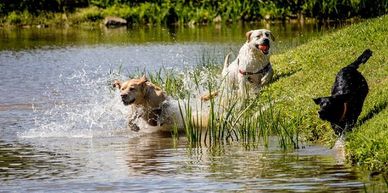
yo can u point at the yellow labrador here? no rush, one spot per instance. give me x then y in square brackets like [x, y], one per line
[153, 103]
[144, 95]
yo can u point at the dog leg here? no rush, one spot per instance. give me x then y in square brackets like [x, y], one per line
[242, 88]
[154, 117]
[133, 126]
[132, 121]
[267, 77]
[349, 125]
[338, 130]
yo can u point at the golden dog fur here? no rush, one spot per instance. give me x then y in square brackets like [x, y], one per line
[154, 104]
[144, 95]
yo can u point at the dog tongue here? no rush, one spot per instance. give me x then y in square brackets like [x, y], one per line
[264, 48]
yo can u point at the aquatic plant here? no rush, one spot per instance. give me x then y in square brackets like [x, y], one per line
[229, 118]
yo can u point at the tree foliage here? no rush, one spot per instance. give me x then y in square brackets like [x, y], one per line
[228, 9]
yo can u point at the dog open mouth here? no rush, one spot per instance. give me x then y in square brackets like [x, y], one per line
[264, 48]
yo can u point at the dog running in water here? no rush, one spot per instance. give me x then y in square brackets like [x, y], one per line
[348, 93]
[152, 105]
[142, 93]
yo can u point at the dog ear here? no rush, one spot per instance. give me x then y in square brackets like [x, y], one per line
[248, 35]
[317, 100]
[116, 84]
[143, 80]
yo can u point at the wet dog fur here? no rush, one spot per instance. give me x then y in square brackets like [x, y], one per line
[151, 104]
[348, 93]
[142, 94]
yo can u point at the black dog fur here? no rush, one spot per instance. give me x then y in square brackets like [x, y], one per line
[349, 91]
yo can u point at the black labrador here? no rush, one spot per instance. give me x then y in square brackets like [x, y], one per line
[349, 91]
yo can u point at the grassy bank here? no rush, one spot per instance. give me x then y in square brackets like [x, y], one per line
[309, 71]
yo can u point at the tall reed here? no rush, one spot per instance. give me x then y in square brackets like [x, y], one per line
[228, 118]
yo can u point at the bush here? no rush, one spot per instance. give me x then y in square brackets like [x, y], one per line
[17, 18]
[144, 14]
[123, 11]
[14, 19]
[203, 16]
[87, 14]
[92, 14]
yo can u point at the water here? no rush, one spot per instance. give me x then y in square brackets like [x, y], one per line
[64, 130]
[153, 163]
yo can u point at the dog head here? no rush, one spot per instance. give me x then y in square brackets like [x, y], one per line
[132, 91]
[332, 108]
[261, 40]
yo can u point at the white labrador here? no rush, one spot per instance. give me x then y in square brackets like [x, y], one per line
[252, 64]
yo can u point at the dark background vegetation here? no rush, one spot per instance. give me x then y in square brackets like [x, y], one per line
[201, 11]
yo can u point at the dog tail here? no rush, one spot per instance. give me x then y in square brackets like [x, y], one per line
[226, 62]
[209, 96]
[361, 59]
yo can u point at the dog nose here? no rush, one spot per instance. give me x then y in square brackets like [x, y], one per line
[266, 41]
[124, 95]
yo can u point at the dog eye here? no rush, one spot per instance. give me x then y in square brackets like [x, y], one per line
[132, 89]
[267, 34]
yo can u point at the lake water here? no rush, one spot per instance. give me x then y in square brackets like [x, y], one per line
[64, 130]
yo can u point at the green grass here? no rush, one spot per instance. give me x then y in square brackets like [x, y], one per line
[309, 71]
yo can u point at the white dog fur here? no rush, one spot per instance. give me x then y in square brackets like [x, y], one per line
[252, 65]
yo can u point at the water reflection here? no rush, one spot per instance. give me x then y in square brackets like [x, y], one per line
[155, 162]
[256, 169]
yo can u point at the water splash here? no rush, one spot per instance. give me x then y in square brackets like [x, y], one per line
[339, 151]
[80, 105]
[83, 104]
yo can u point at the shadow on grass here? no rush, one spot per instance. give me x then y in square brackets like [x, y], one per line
[284, 75]
[374, 111]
